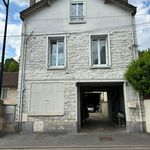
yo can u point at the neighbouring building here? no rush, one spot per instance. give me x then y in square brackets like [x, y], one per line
[9, 87]
[8, 95]
[71, 48]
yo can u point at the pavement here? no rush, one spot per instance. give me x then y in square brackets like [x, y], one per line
[76, 141]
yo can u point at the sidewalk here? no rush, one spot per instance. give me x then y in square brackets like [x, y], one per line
[76, 140]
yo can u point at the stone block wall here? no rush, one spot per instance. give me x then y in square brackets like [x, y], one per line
[63, 123]
[77, 69]
[134, 115]
[77, 58]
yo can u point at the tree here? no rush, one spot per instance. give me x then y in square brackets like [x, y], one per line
[138, 73]
[143, 51]
[11, 65]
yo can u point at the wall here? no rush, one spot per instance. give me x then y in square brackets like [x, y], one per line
[11, 95]
[36, 71]
[133, 109]
[104, 104]
[55, 20]
[147, 114]
[99, 16]
[36, 57]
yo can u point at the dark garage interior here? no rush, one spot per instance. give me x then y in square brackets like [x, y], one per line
[101, 107]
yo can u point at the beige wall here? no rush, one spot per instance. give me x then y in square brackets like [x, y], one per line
[11, 95]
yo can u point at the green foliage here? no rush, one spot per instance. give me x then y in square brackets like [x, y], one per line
[143, 51]
[138, 73]
[11, 65]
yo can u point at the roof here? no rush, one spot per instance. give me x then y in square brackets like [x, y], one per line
[10, 79]
[41, 3]
[34, 7]
[124, 4]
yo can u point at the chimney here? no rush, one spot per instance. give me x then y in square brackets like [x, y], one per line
[32, 2]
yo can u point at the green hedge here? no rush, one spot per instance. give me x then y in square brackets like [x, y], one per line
[138, 74]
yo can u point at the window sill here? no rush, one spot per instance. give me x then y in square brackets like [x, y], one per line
[100, 67]
[77, 22]
[56, 68]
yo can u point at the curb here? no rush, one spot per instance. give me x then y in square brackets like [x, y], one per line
[90, 147]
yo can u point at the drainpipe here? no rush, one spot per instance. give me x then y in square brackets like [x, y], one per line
[22, 80]
[23, 49]
[140, 111]
[134, 45]
[135, 55]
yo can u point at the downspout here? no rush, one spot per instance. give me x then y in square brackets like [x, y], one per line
[22, 76]
[134, 45]
[135, 55]
[140, 111]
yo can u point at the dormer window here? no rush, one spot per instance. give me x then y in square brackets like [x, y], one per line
[77, 11]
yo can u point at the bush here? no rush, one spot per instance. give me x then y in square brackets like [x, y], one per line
[138, 73]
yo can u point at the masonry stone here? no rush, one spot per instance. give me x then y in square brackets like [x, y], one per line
[77, 69]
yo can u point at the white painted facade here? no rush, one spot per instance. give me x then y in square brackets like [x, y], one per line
[110, 20]
[98, 16]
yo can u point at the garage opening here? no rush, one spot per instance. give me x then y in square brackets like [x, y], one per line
[101, 107]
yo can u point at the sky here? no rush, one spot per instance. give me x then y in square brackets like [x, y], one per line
[14, 25]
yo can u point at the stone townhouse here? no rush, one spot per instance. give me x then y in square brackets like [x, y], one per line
[71, 48]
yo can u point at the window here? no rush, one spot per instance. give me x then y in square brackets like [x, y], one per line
[99, 45]
[56, 52]
[76, 11]
[4, 93]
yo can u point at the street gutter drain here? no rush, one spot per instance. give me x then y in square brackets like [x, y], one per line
[106, 139]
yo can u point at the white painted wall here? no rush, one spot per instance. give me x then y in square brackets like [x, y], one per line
[99, 16]
[147, 114]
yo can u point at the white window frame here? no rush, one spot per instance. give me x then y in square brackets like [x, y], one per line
[48, 54]
[108, 58]
[76, 20]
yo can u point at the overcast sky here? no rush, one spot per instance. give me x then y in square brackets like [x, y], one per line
[14, 25]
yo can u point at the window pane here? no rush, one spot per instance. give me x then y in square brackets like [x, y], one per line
[53, 53]
[95, 53]
[102, 52]
[73, 11]
[60, 53]
[80, 10]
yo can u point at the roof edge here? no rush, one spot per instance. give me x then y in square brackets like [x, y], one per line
[32, 8]
[124, 4]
